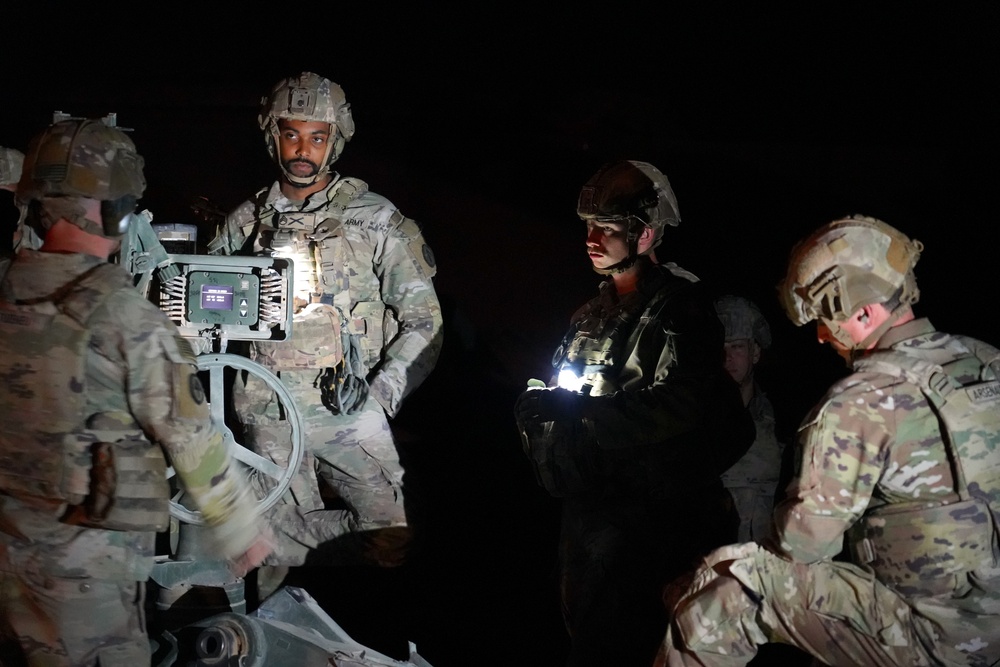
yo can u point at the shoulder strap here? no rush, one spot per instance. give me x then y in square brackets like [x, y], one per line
[91, 290]
[345, 191]
[966, 404]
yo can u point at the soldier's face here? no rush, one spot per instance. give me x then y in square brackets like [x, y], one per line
[741, 355]
[607, 242]
[302, 145]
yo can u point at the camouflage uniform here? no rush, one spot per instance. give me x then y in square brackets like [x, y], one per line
[753, 480]
[360, 255]
[61, 574]
[873, 444]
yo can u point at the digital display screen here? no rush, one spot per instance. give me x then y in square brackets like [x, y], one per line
[217, 297]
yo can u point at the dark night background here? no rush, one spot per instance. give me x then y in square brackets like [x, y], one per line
[482, 122]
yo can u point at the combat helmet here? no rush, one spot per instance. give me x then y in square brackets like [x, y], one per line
[743, 320]
[82, 158]
[632, 191]
[846, 265]
[11, 162]
[308, 97]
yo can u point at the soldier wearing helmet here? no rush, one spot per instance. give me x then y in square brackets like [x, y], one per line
[364, 264]
[100, 393]
[899, 464]
[638, 423]
[753, 480]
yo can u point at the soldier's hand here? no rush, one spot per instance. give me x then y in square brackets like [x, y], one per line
[554, 404]
[260, 549]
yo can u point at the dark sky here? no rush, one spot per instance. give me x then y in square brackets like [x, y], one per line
[482, 124]
[483, 121]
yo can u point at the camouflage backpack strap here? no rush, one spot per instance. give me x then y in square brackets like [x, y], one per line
[91, 290]
[928, 549]
[345, 191]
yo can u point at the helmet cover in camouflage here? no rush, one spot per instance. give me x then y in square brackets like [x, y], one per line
[629, 189]
[743, 320]
[11, 161]
[307, 97]
[846, 265]
[81, 158]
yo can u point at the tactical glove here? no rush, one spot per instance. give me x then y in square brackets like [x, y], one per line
[543, 405]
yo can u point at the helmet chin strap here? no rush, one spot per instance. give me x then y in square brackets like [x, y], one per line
[43, 214]
[634, 228]
[303, 181]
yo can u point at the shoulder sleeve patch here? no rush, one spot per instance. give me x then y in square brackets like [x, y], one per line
[407, 229]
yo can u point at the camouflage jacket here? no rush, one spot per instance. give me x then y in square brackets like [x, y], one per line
[761, 465]
[139, 382]
[873, 442]
[364, 257]
[663, 413]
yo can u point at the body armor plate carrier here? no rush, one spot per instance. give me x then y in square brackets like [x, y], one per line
[927, 550]
[103, 473]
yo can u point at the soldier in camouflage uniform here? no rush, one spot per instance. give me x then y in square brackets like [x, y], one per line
[641, 425]
[98, 393]
[753, 480]
[901, 459]
[367, 330]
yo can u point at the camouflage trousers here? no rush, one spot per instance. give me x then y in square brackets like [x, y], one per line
[56, 622]
[353, 456]
[745, 596]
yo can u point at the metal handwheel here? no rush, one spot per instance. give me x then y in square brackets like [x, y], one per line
[281, 478]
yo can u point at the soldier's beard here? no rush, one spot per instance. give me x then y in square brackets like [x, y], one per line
[313, 167]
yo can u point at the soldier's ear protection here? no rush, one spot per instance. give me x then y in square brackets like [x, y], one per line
[864, 318]
[116, 214]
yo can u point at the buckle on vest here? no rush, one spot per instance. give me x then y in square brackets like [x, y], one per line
[940, 384]
[864, 551]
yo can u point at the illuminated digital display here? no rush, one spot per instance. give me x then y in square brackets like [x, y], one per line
[217, 297]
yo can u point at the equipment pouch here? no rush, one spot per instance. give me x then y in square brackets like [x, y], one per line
[315, 342]
[924, 551]
[128, 488]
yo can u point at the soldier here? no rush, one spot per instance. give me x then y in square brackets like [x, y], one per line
[98, 387]
[901, 458]
[639, 429]
[753, 480]
[362, 268]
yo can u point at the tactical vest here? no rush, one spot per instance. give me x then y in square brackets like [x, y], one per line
[322, 276]
[565, 454]
[108, 477]
[927, 550]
